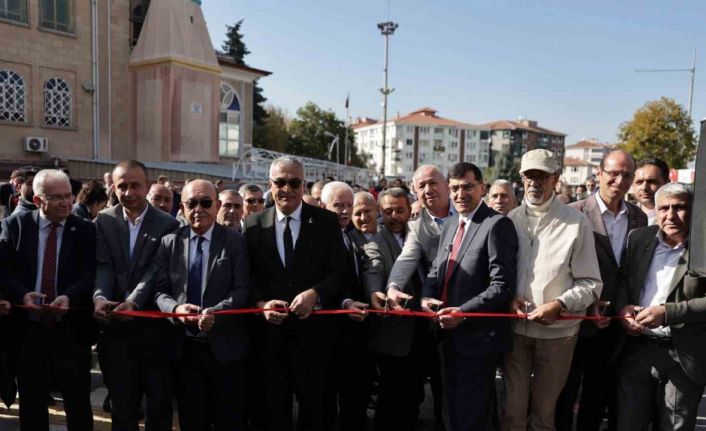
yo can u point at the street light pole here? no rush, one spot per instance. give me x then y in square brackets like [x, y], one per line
[691, 70]
[386, 29]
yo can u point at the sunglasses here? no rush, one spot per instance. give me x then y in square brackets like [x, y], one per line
[293, 183]
[253, 201]
[205, 203]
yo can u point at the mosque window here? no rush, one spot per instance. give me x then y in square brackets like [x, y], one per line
[229, 123]
[12, 97]
[57, 103]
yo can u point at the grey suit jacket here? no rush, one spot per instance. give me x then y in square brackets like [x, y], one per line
[419, 251]
[391, 335]
[607, 262]
[227, 285]
[686, 303]
[116, 273]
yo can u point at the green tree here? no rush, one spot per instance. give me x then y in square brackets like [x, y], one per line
[235, 48]
[663, 129]
[272, 134]
[307, 136]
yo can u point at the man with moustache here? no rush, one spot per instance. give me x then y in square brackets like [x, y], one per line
[297, 260]
[651, 174]
[474, 271]
[231, 210]
[351, 360]
[25, 202]
[501, 197]
[662, 375]
[364, 218]
[161, 197]
[200, 269]
[135, 354]
[557, 272]
[398, 343]
[611, 219]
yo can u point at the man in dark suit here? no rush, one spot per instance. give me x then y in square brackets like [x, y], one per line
[135, 354]
[591, 369]
[351, 359]
[297, 260]
[474, 271]
[202, 268]
[662, 375]
[48, 258]
[397, 342]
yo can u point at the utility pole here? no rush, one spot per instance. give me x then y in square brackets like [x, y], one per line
[691, 70]
[387, 29]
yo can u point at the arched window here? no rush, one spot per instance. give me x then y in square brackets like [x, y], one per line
[12, 97]
[229, 122]
[57, 103]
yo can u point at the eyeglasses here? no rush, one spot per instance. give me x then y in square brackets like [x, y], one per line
[538, 178]
[465, 187]
[205, 203]
[616, 174]
[58, 198]
[253, 201]
[294, 183]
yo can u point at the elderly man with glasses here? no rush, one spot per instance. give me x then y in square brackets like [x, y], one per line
[557, 272]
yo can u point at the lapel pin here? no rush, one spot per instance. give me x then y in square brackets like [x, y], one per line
[73, 229]
[311, 220]
[144, 235]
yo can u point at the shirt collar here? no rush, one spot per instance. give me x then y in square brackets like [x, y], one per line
[45, 222]
[469, 217]
[603, 207]
[207, 235]
[296, 215]
[662, 243]
[139, 218]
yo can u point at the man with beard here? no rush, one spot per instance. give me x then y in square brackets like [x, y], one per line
[651, 174]
[557, 273]
[231, 211]
[24, 202]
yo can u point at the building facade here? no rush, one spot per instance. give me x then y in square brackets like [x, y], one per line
[116, 79]
[418, 138]
[588, 150]
[509, 140]
[577, 171]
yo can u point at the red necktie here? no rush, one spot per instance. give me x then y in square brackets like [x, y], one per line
[452, 261]
[49, 266]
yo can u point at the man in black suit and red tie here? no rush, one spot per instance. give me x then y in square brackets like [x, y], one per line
[47, 257]
[297, 260]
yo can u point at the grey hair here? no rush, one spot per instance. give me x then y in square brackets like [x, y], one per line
[46, 176]
[502, 183]
[668, 190]
[395, 192]
[253, 188]
[331, 187]
[419, 170]
[367, 197]
[288, 160]
[228, 192]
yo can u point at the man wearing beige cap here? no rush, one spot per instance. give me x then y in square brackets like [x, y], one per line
[557, 274]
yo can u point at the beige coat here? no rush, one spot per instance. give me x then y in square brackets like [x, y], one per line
[559, 263]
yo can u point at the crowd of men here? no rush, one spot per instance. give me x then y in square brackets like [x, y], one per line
[74, 265]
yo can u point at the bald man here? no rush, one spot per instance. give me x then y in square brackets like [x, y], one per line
[161, 197]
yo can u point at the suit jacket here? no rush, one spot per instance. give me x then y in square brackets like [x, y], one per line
[23, 206]
[227, 285]
[81, 210]
[419, 250]
[392, 335]
[319, 257]
[483, 280]
[686, 303]
[607, 261]
[117, 274]
[356, 261]
[19, 241]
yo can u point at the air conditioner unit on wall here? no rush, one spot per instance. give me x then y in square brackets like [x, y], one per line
[34, 144]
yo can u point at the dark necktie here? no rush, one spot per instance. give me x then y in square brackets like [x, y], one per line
[288, 244]
[193, 289]
[458, 238]
[49, 266]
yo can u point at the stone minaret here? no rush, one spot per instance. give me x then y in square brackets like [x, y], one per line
[175, 81]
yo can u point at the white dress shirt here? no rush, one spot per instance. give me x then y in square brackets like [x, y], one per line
[44, 229]
[399, 238]
[659, 279]
[205, 247]
[616, 226]
[295, 224]
[134, 227]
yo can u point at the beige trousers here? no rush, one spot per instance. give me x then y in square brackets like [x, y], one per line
[535, 372]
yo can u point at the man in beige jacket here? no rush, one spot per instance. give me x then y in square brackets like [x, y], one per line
[557, 274]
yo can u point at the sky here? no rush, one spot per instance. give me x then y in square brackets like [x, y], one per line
[568, 64]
